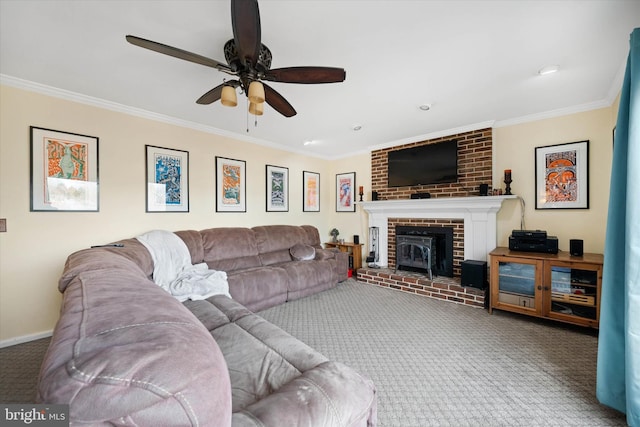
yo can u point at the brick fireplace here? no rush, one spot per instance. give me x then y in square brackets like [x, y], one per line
[456, 205]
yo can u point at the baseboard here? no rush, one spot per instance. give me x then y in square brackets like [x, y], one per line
[25, 338]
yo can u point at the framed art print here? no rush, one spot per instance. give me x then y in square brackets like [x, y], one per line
[277, 189]
[64, 171]
[231, 185]
[167, 173]
[345, 192]
[310, 191]
[562, 176]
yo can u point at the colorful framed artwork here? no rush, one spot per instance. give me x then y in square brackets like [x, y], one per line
[167, 172]
[346, 192]
[562, 176]
[310, 191]
[231, 185]
[277, 189]
[64, 171]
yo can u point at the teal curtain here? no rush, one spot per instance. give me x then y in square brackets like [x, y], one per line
[618, 372]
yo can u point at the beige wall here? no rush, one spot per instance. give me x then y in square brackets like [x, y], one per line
[514, 149]
[33, 251]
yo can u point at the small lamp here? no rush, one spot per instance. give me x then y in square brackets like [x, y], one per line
[228, 97]
[256, 92]
[256, 109]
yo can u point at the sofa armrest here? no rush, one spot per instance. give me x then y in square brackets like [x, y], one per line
[342, 265]
[124, 351]
[324, 254]
[331, 395]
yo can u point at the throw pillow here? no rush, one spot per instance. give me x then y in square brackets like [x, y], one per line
[301, 252]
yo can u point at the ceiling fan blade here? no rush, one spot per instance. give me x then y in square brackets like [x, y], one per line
[277, 102]
[216, 93]
[177, 53]
[212, 96]
[245, 20]
[308, 75]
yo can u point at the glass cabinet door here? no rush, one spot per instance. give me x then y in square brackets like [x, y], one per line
[517, 284]
[574, 292]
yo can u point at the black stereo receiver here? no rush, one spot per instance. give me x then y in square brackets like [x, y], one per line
[548, 245]
[529, 234]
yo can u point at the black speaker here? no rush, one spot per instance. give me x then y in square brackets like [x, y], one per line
[356, 239]
[484, 189]
[474, 274]
[374, 195]
[576, 247]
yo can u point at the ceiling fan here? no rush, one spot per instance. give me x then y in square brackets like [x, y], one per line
[249, 60]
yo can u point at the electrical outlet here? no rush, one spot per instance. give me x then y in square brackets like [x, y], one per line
[3, 225]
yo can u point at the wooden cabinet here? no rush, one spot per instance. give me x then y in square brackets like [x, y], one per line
[554, 286]
[355, 252]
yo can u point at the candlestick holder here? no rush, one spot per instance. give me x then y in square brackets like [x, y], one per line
[361, 194]
[507, 181]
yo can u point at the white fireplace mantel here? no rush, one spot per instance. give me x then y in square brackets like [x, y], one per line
[478, 213]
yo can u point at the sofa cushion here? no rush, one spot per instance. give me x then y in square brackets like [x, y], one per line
[258, 288]
[300, 252]
[230, 248]
[305, 277]
[271, 238]
[330, 395]
[275, 257]
[261, 357]
[279, 381]
[193, 240]
[312, 235]
[125, 352]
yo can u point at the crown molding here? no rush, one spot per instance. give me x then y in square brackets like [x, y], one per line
[150, 115]
[554, 113]
[138, 112]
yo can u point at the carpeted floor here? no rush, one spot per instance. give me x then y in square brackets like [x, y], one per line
[443, 364]
[19, 369]
[434, 363]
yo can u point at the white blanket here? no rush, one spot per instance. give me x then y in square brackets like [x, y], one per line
[174, 272]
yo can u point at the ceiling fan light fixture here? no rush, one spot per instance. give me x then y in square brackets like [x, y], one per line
[256, 109]
[256, 92]
[229, 97]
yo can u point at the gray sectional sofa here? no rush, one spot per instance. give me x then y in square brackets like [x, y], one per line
[126, 352]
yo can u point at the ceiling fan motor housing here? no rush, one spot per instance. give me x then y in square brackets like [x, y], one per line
[231, 55]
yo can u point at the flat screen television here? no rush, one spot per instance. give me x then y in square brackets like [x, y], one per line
[426, 164]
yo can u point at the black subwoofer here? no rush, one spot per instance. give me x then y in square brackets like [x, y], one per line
[474, 274]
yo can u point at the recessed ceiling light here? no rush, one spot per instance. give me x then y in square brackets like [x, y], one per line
[549, 69]
[356, 127]
[425, 107]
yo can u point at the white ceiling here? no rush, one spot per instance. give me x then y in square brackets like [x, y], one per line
[474, 61]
